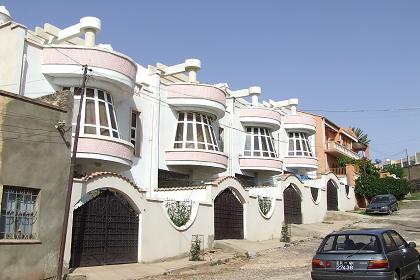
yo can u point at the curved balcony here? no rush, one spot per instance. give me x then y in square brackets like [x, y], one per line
[197, 97]
[260, 117]
[63, 62]
[193, 157]
[261, 164]
[301, 123]
[107, 153]
[301, 162]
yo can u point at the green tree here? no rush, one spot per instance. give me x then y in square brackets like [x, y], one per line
[395, 169]
[344, 160]
[361, 136]
[370, 184]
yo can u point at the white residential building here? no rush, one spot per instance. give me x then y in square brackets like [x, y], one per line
[154, 139]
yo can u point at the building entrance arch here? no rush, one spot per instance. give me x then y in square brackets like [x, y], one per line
[105, 231]
[228, 216]
[332, 196]
[292, 206]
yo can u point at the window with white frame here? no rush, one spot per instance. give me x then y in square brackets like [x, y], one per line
[195, 131]
[259, 143]
[299, 145]
[18, 218]
[98, 115]
[134, 131]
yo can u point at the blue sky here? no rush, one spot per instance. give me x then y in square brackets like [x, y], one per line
[332, 55]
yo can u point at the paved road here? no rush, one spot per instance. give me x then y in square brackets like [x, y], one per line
[293, 262]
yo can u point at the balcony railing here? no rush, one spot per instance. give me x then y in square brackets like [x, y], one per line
[337, 148]
[338, 170]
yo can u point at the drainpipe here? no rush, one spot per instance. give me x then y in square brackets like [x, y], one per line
[231, 137]
[22, 72]
[155, 127]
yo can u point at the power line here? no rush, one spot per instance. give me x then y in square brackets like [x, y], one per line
[401, 141]
[29, 128]
[26, 116]
[71, 58]
[364, 110]
[33, 141]
[32, 81]
[31, 135]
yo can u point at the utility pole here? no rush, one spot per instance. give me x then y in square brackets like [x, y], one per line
[70, 180]
[408, 165]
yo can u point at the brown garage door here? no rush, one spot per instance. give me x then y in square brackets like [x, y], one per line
[105, 231]
[228, 216]
[292, 206]
[332, 197]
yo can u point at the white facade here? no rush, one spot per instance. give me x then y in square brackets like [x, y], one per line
[191, 141]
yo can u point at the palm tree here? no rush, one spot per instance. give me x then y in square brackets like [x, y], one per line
[361, 136]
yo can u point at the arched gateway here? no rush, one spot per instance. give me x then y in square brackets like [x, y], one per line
[105, 231]
[228, 216]
[292, 206]
[332, 196]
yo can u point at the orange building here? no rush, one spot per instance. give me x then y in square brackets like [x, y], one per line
[333, 142]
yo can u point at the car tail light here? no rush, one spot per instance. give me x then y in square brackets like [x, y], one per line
[317, 263]
[374, 264]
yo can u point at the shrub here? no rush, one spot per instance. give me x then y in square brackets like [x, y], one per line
[395, 169]
[179, 211]
[264, 203]
[369, 186]
[343, 161]
[196, 250]
[398, 187]
[285, 233]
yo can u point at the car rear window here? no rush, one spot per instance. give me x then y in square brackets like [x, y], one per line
[360, 243]
[380, 199]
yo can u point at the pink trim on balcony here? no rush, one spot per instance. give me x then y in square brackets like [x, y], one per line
[299, 119]
[92, 57]
[196, 157]
[194, 91]
[261, 113]
[260, 163]
[107, 147]
[304, 161]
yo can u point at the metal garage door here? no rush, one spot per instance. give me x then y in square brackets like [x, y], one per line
[292, 206]
[332, 197]
[228, 216]
[105, 231]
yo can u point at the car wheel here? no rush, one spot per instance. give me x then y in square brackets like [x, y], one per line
[396, 276]
[417, 275]
[389, 211]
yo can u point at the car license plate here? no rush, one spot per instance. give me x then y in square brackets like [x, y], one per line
[344, 265]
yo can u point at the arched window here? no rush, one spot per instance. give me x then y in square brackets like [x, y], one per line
[299, 145]
[98, 115]
[259, 143]
[195, 131]
[314, 192]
